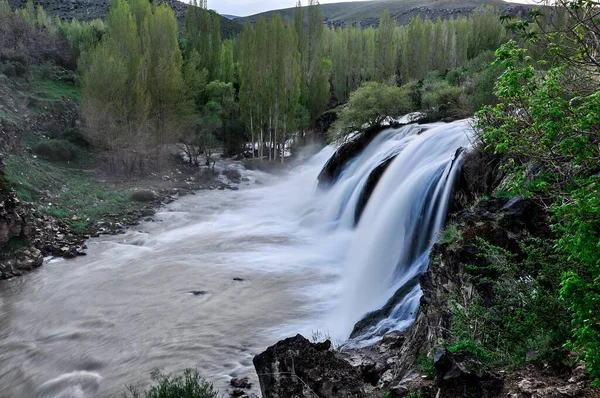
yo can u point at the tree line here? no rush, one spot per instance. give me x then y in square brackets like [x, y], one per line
[149, 83]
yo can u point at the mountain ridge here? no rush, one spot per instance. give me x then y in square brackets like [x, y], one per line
[85, 10]
[367, 13]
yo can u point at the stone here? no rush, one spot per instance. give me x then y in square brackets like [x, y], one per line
[199, 292]
[240, 383]
[297, 368]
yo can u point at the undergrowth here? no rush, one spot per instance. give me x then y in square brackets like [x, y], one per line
[65, 193]
[188, 385]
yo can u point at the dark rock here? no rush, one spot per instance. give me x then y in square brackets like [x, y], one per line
[372, 181]
[296, 368]
[241, 383]
[199, 292]
[237, 393]
[324, 122]
[239, 279]
[456, 376]
[347, 151]
[147, 212]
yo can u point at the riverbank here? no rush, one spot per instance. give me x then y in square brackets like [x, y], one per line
[69, 203]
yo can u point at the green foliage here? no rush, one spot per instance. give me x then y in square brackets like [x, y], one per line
[64, 192]
[470, 347]
[371, 104]
[133, 97]
[578, 225]
[547, 129]
[426, 366]
[56, 150]
[188, 385]
[517, 307]
[451, 236]
[440, 99]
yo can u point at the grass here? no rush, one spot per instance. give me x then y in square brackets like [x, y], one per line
[188, 385]
[13, 245]
[65, 193]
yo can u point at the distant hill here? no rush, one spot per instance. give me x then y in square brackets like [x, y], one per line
[367, 13]
[232, 17]
[85, 10]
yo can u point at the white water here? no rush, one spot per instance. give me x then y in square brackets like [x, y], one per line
[87, 327]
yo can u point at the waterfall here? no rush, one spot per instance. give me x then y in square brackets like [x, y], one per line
[391, 242]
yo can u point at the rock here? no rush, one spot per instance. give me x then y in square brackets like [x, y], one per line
[296, 368]
[241, 383]
[237, 393]
[334, 166]
[199, 292]
[456, 378]
[369, 187]
[531, 356]
[239, 279]
[147, 212]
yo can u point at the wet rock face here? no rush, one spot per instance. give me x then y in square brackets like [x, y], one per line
[372, 181]
[297, 368]
[347, 151]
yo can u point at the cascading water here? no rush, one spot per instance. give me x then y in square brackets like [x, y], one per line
[390, 247]
[224, 274]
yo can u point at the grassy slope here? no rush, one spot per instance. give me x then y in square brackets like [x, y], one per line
[91, 9]
[369, 11]
[66, 190]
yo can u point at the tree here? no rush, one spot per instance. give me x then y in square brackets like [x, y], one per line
[385, 53]
[165, 81]
[371, 104]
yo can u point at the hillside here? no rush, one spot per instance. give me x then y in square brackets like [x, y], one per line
[368, 12]
[86, 10]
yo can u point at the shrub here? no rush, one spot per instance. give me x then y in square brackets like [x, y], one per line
[56, 150]
[440, 99]
[371, 104]
[517, 307]
[143, 196]
[8, 69]
[188, 385]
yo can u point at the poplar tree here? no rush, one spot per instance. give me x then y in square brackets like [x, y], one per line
[385, 52]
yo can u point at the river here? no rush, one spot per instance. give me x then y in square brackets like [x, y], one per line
[268, 261]
[90, 326]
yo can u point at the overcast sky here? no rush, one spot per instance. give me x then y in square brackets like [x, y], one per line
[249, 7]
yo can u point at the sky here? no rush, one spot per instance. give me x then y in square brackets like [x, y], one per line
[243, 8]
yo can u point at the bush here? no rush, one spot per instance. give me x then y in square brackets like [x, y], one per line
[143, 196]
[56, 150]
[517, 307]
[371, 104]
[8, 69]
[439, 99]
[188, 385]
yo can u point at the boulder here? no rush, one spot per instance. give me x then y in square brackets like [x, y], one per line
[297, 368]
[457, 375]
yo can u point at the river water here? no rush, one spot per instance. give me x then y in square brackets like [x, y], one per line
[89, 326]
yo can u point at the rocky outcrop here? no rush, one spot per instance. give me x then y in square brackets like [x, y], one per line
[347, 151]
[26, 236]
[296, 368]
[372, 181]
